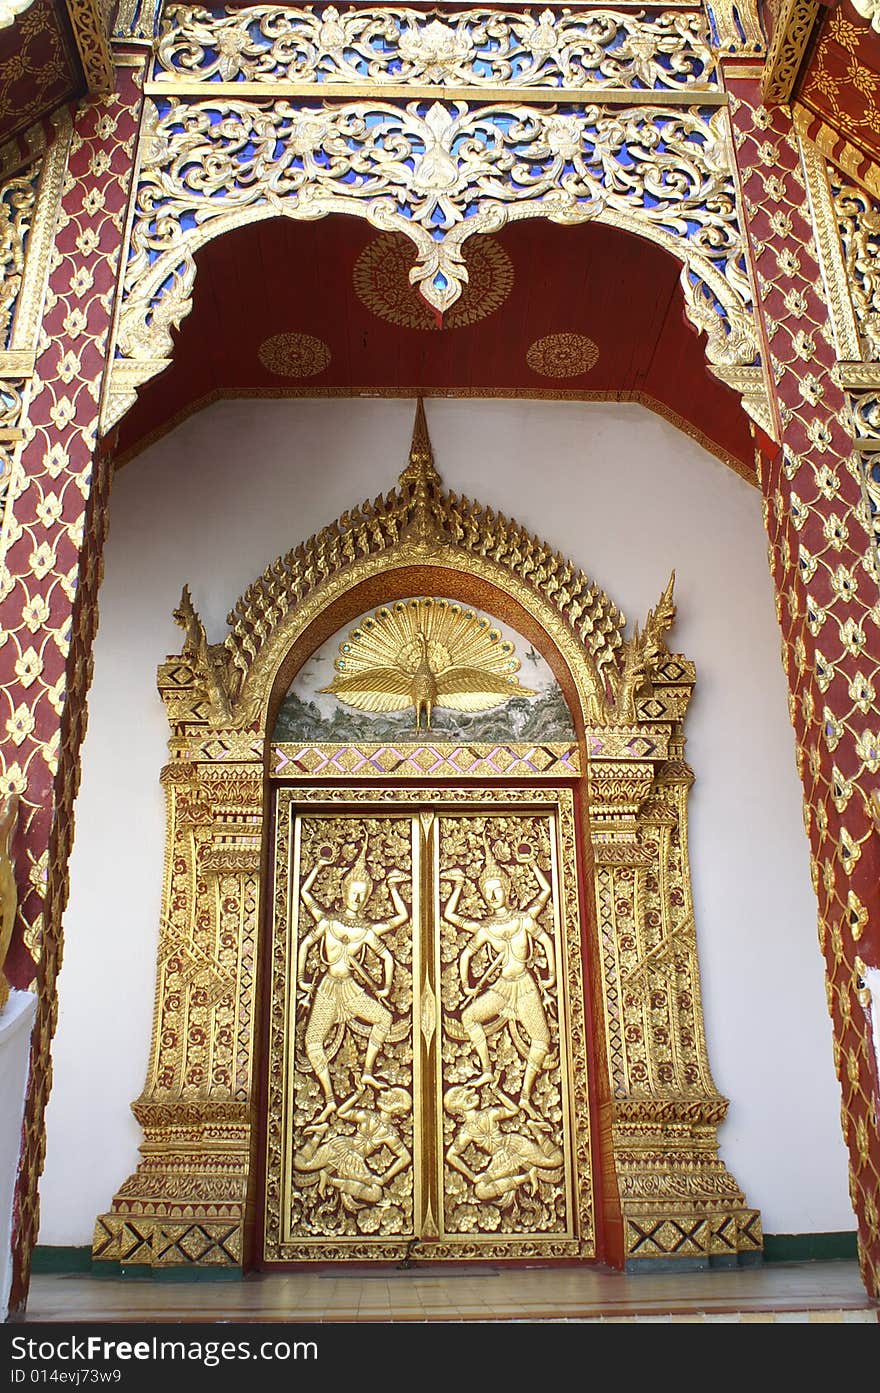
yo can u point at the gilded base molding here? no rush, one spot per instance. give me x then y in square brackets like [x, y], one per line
[150, 1241]
[730, 1234]
[678, 1199]
[186, 1201]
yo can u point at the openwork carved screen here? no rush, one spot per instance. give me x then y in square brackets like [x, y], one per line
[428, 1050]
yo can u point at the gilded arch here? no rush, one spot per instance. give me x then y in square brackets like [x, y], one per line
[438, 129]
[659, 1109]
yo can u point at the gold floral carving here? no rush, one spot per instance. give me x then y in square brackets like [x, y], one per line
[858, 226]
[11, 406]
[832, 230]
[438, 174]
[480, 47]
[137, 19]
[17, 198]
[294, 355]
[381, 279]
[562, 355]
[863, 395]
[735, 28]
[90, 22]
[420, 1084]
[27, 228]
[791, 34]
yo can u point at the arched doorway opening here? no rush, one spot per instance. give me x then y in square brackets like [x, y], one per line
[327, 310]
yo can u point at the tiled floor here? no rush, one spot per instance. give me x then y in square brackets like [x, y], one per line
[797, 1292]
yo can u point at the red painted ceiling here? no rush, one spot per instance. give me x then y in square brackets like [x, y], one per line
[39, 66]
[280, 277]
[840, 78]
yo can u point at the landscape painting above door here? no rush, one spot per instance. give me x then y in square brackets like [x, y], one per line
[420, 665]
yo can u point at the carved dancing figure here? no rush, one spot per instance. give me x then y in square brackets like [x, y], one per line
[512, 992]
[514, 1158]
[338, 997]
[341, 1159]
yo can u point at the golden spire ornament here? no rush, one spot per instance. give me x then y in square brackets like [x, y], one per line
[426, 653]
[421, 482]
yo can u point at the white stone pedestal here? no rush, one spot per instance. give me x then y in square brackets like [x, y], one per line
[16, 1023]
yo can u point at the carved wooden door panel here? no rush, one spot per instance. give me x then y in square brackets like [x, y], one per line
[426, 1006]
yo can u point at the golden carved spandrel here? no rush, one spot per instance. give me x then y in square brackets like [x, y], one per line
[505, 1096]
[300, 160]
[350, 1092]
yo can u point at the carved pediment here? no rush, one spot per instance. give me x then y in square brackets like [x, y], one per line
[420, 523]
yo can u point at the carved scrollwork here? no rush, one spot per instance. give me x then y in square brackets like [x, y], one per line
[793, 25]
[18, 196]
[439, 173]
[478, 47]
[858, 222]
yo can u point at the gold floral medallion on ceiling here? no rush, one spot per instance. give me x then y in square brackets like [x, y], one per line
[562, 355]
[382, 283]
[294, 355]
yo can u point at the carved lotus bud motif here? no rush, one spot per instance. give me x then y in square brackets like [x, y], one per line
[564, 136]
[331, 35]
[437, 49]
[542, 37]
[307, 134]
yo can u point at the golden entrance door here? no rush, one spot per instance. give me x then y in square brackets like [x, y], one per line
[427, 1055]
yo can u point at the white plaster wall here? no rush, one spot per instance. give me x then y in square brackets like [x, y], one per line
[626, 496]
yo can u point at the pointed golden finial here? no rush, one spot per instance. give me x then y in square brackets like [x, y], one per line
[421, 482]
[420, 469]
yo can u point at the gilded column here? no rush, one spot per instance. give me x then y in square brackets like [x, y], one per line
[53, 534]
[677, 1198]
[186, 1202]
[824, 569]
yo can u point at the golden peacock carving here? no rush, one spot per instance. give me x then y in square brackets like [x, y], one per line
[426, 653]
